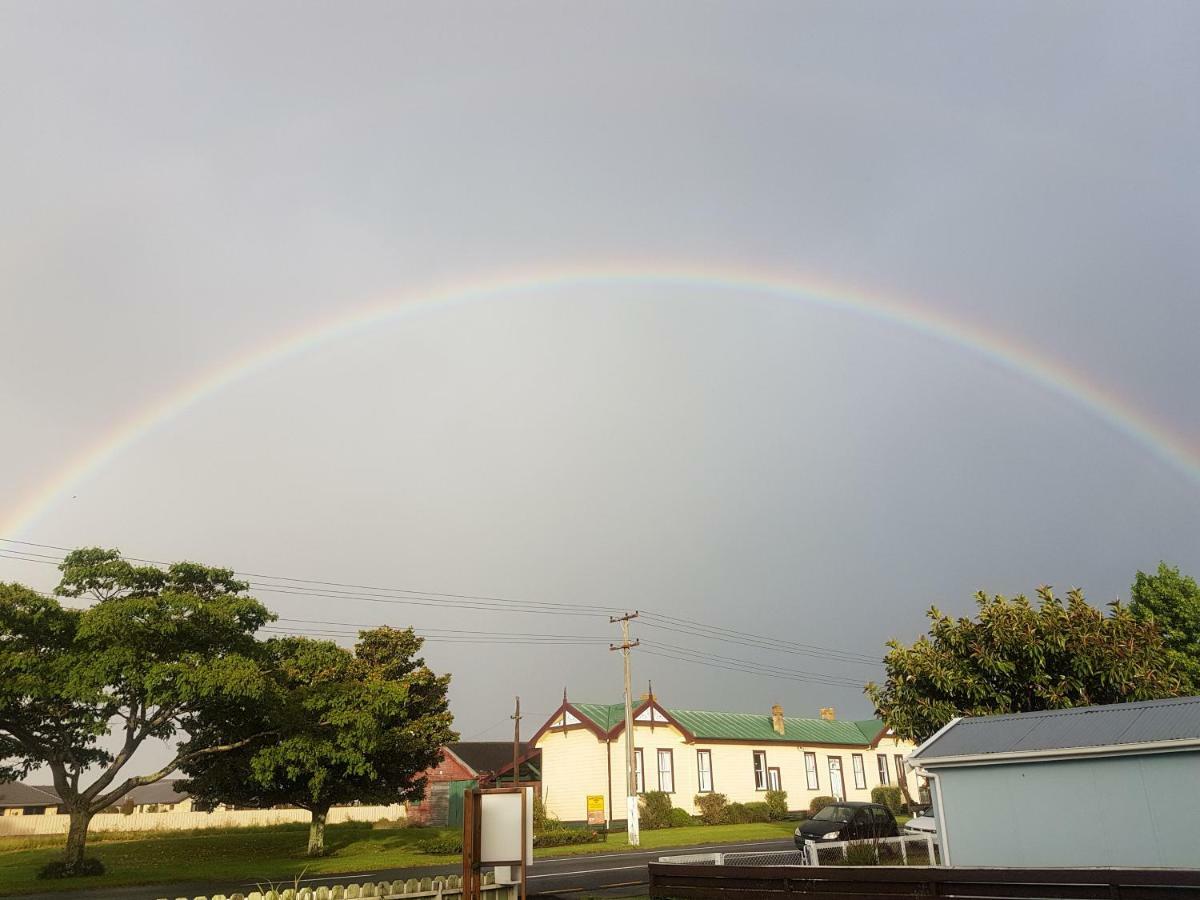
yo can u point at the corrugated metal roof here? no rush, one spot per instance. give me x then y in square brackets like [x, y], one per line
[749, 727]
[1067, 729]
[14, 793]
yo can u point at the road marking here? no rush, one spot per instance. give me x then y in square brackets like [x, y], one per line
[584, 872]
[624, 884]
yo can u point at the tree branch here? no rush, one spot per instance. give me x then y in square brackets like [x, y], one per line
[106, 800]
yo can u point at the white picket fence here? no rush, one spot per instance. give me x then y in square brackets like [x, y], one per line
[183, 821]
[439, 888]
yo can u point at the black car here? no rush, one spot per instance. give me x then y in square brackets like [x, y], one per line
[848, 820]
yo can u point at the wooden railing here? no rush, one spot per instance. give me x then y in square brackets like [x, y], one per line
[687, 882]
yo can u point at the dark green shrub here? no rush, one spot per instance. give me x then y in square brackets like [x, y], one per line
[59, 869]
[445, 845]
[655, 810]
[777, 803]
[681, 818]
[714, 808]
[758, 812]
[888, 795]
[735, 814]
[562, 837]
[862, 853]
[542, 820]
[819, 803]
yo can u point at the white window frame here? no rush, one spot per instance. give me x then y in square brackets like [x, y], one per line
[667, 786]
[860, 771]
[774, 779]
[810, 771]
[760, 770]
[883, 768]
[639, 770]
[704, 769]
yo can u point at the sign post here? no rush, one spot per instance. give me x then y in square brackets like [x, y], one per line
[497, 831]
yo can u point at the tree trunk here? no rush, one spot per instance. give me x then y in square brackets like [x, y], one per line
[316, 832]
[77, 837]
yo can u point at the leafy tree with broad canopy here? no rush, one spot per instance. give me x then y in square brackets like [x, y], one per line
[1172, 600]
[81, 689]
[1019, 657]
[349, 726]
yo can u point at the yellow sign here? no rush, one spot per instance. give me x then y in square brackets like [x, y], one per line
[595, 809]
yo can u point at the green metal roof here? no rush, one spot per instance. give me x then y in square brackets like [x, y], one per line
[749, 727]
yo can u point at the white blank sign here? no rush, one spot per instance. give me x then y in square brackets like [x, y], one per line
[500, 827]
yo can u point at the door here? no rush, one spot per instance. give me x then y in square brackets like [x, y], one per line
[836, 786]
[454, 801]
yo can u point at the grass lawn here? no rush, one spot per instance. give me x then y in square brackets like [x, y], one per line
[239, 856]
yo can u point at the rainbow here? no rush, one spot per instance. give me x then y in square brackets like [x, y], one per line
[999, 349]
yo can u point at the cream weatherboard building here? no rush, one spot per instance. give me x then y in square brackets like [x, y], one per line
[688, 752]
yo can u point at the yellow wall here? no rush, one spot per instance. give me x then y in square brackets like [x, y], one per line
[574, 764]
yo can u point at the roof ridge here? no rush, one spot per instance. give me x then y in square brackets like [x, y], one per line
[1084, 710]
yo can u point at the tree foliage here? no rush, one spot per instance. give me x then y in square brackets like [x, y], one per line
[1016, 656]
[157, 650]
[1172, 600]
[348, 727]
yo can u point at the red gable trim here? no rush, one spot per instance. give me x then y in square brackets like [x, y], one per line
[555, 721]
[667, 717]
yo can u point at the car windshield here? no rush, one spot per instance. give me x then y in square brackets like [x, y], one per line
[834, 814]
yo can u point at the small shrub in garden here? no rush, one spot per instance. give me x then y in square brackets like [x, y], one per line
[543, 820]
[681, 818]
[777, 802]
[562, 837]
[888, 795]
[758, 812]
[655, 810]
[446, 845]
[862, 853]
[714, 808]
[735, 814]
[819, 803]
[59, 869]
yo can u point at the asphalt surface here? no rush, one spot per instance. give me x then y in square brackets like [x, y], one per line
[609, 874]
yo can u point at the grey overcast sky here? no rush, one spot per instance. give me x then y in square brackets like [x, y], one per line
[185, 183]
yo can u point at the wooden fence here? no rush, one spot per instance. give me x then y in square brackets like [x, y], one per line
[688, 882]
[183, 821]
[438, 888]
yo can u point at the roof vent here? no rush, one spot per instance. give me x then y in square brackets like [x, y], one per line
[777, 718]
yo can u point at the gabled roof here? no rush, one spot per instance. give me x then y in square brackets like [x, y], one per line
[608, 719]
[486, 756]
[1087, 730]
[14, 793]
[165, 791]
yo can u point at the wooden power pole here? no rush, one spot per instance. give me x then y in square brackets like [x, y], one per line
[631, 792]
[516, 717]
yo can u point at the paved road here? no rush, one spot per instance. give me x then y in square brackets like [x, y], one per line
[613, 874]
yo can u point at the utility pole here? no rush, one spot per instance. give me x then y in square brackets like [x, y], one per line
[631, 816]
[516, 717]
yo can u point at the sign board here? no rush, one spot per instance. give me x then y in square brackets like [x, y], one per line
[501, 827]
[595, 809]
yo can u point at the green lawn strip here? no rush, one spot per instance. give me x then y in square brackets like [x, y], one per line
[242, 856]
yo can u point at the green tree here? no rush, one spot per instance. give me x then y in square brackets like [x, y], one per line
[1172, 600]
[350, 727]
[1017, 657]
[81, 689]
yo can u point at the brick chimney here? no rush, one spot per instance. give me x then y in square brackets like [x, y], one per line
[828, 714]
[777, 718]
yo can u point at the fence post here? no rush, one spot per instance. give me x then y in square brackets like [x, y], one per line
[810, 850]
[904, 851]
[929, 847]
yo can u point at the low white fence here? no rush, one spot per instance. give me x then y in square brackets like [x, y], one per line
[183, 821]
[906, 850]
[434, 888]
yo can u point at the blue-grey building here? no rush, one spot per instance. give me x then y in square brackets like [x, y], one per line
[1111, 785]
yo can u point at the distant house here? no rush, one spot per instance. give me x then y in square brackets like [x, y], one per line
[161, 796]
[17, 799]
[688, 752]
[1111, 785]
[464, 765]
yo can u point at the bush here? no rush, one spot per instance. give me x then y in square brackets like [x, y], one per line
[655, 810]
[543, 820]
[446, 845]
[714, 808]
[888, 795]
[742, 813]
[59, 869]
[862, 853]
[562, 837]
[681, 818]
[819, 803]
[777, 803]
